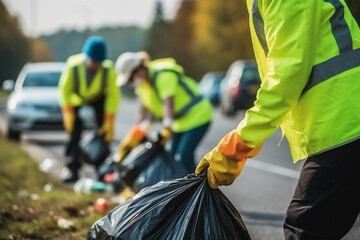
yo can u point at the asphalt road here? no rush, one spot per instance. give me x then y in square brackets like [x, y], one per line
[261, 193]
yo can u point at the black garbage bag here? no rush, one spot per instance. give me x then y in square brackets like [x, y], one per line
[183, 208]
[162, 167]
[137, 160]
[94, 149]
[107, 166]
[148, 164]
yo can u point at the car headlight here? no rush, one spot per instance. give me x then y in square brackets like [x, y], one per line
[13, 104]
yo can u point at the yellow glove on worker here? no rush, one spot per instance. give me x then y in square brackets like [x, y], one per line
[68, 118]
[166, 134]
[130, 141]
[226, 161]
[107, 128]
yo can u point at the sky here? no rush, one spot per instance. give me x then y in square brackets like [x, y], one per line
[38, 17]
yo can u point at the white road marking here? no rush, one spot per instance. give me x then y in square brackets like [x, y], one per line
[267, 167]
[259, 165]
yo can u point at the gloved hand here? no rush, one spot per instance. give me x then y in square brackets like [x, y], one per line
[130, 141]
[68, 118]
[165, 134]
[107, 128]
[226, 161]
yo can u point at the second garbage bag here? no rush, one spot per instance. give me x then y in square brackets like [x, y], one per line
[148, 164]
[93, 149]
[179, 209]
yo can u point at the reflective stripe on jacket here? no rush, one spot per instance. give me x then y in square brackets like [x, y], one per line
[78, 92]
[168, 79]
[308, 53]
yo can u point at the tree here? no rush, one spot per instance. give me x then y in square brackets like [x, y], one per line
[118, 40]
[40, 51]
[181, 37]
[156, 43]
[221, 34]
[14, 45]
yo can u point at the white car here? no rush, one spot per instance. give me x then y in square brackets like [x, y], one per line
[34, 103]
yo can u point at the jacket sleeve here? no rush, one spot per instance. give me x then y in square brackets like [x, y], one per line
[285, 60]
[66, 85]
[112, 93]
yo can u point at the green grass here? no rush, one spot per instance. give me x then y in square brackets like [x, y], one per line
[3, 94]
[27, 211]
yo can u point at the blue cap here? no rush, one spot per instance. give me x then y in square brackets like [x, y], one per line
[95, 48]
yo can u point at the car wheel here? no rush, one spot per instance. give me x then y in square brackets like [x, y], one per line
[13, 134]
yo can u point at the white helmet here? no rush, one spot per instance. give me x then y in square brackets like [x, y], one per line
[125, 65]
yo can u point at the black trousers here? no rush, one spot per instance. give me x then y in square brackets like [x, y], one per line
[326, 201]
[72, 146]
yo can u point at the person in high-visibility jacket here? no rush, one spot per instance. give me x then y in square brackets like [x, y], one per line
[308, 54]
[167, 94]
[88, 79]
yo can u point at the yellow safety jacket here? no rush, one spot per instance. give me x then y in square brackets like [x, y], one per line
[167, 79]
[308, 53]
[76, 91]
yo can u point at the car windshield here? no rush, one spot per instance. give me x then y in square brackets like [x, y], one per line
[42, 79]
[210, 80]
[250, 75]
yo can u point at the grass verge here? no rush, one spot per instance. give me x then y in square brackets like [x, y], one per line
[32, 202]
[3, 94]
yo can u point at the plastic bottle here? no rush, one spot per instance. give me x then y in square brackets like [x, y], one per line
[88, 185]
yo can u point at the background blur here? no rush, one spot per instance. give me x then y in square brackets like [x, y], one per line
[201, 35]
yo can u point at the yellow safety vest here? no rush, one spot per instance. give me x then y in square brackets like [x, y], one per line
[75, 90]
[168, 79]
[308, 53]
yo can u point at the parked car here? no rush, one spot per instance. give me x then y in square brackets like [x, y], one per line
[210, 86]
[34, 101]
[239, 87]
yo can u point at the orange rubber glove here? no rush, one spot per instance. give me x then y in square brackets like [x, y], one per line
[107, 129]
[68, 118]
[130, 141]
[226, 161]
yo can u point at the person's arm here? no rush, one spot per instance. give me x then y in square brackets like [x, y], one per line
[285, 60]
[168, 111]
[142, 113]
[290, 29]
[66, 87]
[112, 100]
[166, 84]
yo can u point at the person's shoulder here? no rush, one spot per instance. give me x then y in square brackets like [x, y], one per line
[166, 65]
[108, 63]
[75, 59]
[163, 63]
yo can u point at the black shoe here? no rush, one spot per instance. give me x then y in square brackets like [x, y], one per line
[69, 176]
